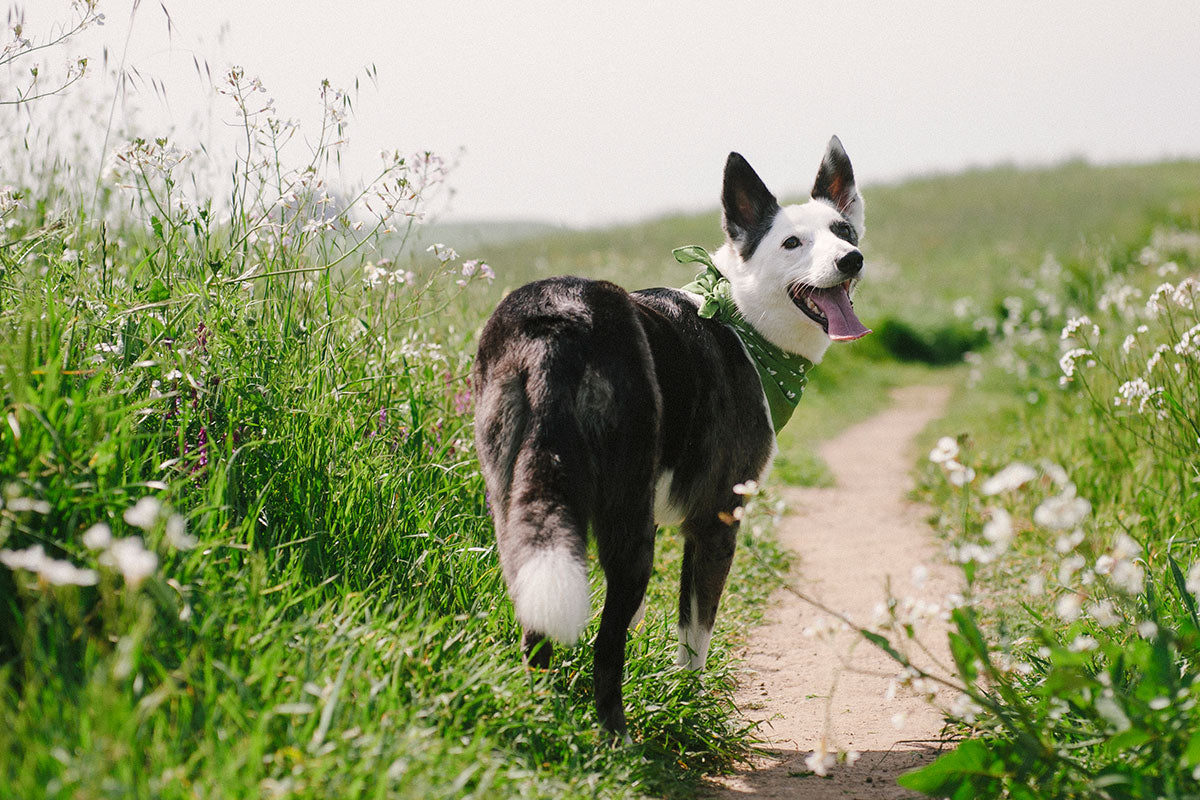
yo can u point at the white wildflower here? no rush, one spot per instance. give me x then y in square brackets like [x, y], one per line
[52, 570]
[97, 537]
[1104, 613]
[998, 530]
[1188, 342]
[1068, 541]
[945, 450]
[1075, 324]
[1068, 607]
[1014, 476]
[1119, 297]
[1129, 343]
[1185, 293]
[177, 533]
[1129, 577]
[1067, 362]
[1068, 567]
[1154, 304]
[1156, 358]
[1035, 585]
[1105, 564]
[965, 554]
[1147, 629]
[130, 558]
[1062, 511]
[958, 474]
[820, 760]
[1056, 473]
[1082, 643]
[1193, 580]
[27, 504]
[1137, 389]
[748, 488]
[1159, 703]
[144, 513]
[1125, 546]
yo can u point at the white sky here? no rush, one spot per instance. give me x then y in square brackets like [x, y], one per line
[592, 112]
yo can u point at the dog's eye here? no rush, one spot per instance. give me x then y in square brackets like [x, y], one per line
[791, 243]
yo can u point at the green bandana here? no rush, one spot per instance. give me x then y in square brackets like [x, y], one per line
[783, 374]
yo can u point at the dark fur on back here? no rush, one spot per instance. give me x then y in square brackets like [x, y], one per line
[587, 394]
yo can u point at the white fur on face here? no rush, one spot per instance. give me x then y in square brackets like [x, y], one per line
[760, 285]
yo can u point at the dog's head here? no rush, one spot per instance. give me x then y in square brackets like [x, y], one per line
[792, 269]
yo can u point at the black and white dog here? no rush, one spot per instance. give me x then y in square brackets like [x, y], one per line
[616, 411]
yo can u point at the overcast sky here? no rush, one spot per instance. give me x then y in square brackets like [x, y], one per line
[587, 113]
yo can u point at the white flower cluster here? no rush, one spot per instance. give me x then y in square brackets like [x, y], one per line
[157, 156]
[127, 556]
[51, 570]
[1140, 390]
[9, 200]
[945, 453]
[1067, 363]
[1076, 324]
[378, 274]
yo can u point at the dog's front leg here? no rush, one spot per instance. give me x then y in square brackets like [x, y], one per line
[707, 553]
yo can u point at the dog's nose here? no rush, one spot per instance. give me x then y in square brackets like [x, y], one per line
[850, 264]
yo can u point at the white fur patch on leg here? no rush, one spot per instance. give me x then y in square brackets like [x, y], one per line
[552, 595]
[693, 641]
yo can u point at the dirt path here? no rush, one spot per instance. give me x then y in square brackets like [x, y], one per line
[851, 539]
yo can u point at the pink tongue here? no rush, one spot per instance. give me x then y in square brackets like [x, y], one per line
[843, 323]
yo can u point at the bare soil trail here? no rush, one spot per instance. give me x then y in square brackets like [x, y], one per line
[852, 540]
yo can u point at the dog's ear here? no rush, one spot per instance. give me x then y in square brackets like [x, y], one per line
[835, 183]
[749, 206]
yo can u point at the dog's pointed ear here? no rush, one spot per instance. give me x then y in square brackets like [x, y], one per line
[835, 183]
[749, 206]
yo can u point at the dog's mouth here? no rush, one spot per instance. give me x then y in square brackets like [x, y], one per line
[831, 309]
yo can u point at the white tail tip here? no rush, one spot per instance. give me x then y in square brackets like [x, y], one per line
[552, 595]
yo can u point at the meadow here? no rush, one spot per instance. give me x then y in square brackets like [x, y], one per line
[246, 548]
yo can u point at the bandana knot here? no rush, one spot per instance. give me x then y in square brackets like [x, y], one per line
[783, 375]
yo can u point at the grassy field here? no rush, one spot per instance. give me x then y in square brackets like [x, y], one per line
[245, 544]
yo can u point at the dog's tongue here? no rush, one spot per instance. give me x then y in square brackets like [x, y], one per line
[843, 323]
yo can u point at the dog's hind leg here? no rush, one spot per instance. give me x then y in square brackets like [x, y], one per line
[707, 553]
[626, 550]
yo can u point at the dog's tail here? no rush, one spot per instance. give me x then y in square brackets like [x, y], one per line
[530, 450]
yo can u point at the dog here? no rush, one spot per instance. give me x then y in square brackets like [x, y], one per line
[617, 412]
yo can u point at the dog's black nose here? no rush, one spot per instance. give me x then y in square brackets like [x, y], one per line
[850, 264]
